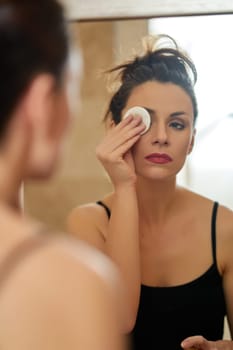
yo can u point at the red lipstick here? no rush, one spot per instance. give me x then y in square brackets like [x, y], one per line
[159, 158]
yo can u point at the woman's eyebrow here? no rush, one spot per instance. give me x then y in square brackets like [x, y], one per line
[177, 114]
[152, 112]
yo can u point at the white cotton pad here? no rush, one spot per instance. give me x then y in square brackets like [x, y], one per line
[143, 113]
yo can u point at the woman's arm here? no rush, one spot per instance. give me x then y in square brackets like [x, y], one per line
[122, 246]
[121, 242]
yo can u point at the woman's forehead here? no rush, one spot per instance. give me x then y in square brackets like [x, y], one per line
[154, 95]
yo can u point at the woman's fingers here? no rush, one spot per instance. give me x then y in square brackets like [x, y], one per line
[127, 125]
[114, 142]
[128, 130]
[115, 153]
[197, 343]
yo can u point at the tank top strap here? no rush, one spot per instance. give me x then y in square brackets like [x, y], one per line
[21, 251]
[108, 212]
[213, 231]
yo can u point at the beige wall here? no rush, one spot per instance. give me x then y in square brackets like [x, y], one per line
[80, 178]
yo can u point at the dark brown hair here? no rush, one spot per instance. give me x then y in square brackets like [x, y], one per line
[33, 40]
[167, 64]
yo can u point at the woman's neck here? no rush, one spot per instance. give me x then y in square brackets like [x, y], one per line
[156, 198]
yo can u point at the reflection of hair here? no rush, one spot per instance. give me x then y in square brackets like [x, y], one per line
[33, 40]
[163, 64]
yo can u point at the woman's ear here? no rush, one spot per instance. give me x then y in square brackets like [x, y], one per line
[29, 116]
[110, 124]
[38, 101]
[38, 107]
[192, 141]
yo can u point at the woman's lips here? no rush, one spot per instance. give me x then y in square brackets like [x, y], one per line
[159, 158]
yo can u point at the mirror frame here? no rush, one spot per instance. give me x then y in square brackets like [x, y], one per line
[94, 10]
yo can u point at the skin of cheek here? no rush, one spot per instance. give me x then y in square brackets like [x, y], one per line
[178, 150]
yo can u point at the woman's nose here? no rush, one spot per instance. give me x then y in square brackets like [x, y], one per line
[159, 134]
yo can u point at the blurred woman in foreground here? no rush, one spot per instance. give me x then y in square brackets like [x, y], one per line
[54, 293]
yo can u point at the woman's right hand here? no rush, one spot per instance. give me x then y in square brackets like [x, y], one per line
[114, 152]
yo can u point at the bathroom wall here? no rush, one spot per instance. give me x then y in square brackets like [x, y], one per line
[80, 177]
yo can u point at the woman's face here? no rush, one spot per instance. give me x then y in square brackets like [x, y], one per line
[161, 151]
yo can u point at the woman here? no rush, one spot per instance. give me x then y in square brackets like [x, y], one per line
[54, 294]
[173, 246]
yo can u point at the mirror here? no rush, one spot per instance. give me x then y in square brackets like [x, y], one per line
[89, 10]
[104, 42]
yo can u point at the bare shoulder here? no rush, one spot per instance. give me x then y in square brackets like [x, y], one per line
[225, 213]
[56, 292]
[205, 205]
[195, 201]
[90, 222]
[224, 226]
[225, 221]
[61, 259]
[91, 212]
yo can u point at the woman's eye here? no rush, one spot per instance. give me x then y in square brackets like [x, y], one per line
[177, 125]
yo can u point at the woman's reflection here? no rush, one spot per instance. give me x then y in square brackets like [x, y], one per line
[173, 246]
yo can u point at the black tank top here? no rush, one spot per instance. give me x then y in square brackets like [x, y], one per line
[168, 315]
